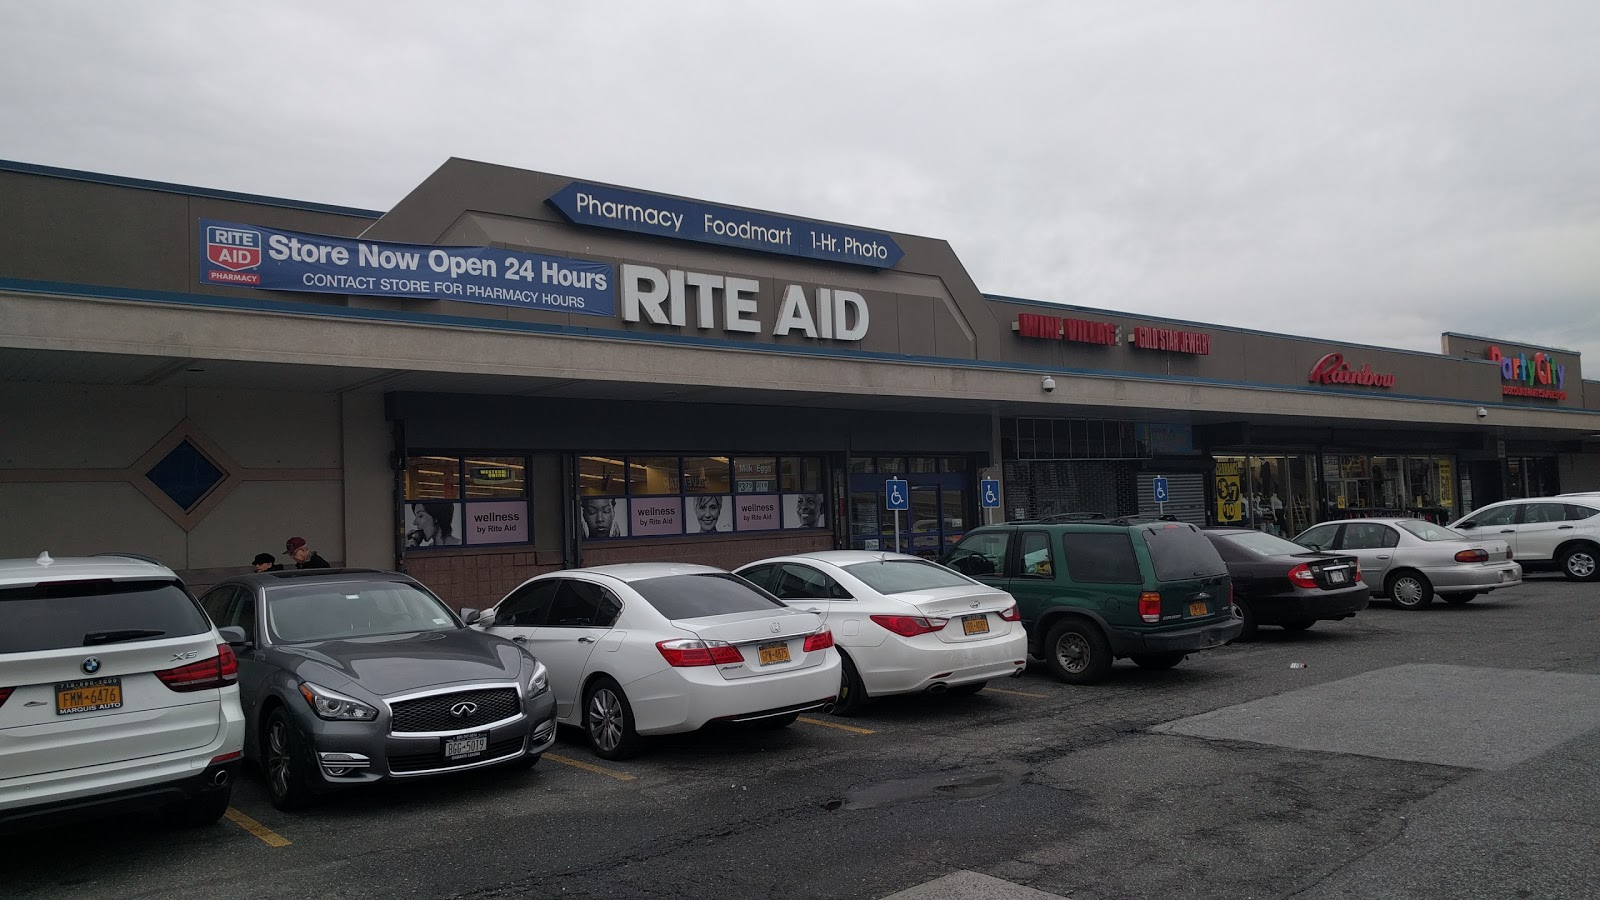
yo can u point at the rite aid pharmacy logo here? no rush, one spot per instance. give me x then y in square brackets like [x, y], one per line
[235, 251]
[91, 665]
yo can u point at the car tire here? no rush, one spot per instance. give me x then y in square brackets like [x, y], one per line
[200, 810]
[778, 723]
[966, 690]
[608, 721]
[286, 762]
[1580, 563]
[1248, 615]
[1297, 624]
[1458, 599]
[1409, 590]
[1077, 652]
[852, 690]
[1156, 662]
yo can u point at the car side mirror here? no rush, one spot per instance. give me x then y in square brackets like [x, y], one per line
[1468, 525]
[234, 635]
[471, 616]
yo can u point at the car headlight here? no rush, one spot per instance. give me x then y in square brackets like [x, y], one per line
[335, 706]
[539, 681]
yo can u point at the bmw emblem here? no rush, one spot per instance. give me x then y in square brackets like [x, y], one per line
[91, 665]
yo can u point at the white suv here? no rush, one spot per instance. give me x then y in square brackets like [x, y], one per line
[116, 692]
[1544, 532]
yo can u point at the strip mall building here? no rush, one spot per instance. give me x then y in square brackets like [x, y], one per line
[511, 372]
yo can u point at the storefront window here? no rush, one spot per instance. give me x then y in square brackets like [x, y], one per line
[601, 475]
[670, 495]
[1281, 494]
[802, 473]
[495, 511]
[921, 464]
[891, 465]
[433, 478]
[495, 478]
[755, 475]
[706, 475]
[863, 465]
[653, 475]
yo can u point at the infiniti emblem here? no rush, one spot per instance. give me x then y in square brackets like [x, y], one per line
[463, 709]
[91, 665]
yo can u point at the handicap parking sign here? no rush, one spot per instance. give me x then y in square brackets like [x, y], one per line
[1160, 486]
[989, 493]
[896, 494]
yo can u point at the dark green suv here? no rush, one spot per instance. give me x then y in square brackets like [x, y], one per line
[1091, 592]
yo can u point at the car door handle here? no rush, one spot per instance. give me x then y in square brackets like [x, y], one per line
[811, 609]
[1382, 556]
[521, 639]
[1563, 527]
[1508, 531]
[586, 640]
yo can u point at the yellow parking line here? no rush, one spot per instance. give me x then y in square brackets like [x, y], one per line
[826, 724]
[590, 767]
[995, 690]
[267, 835]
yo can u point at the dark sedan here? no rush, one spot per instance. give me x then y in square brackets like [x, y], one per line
[353, 676]
[1279, 582]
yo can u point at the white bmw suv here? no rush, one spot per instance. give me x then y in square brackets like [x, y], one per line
[116, 692]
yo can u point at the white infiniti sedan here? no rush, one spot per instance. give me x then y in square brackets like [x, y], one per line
[902, 624]
[653, 648]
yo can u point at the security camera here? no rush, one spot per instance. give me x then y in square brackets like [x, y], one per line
[1483, 413]
[1048, 383]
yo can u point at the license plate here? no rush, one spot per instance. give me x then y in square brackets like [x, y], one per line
[975, 624]
[92, 695]
[1505, 576]
[1336, 578]
[1197, 608]
[775, 652]
[465, 746]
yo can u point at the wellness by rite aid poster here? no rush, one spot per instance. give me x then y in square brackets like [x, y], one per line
[272, 260]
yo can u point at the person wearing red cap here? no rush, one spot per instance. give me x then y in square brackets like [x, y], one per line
[304, 557]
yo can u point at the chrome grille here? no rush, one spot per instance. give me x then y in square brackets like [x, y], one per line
[439, 712]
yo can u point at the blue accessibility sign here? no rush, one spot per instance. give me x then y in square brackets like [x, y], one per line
[989, 493]
[896, 494]
[1160, 485]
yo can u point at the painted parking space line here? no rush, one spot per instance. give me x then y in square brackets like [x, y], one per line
[267, 835]
[995, 690]
[853, 729]
[590, 767]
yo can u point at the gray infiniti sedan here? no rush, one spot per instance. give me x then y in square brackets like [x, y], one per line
[354, 676]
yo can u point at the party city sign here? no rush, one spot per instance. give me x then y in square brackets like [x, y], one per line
[691, 220]
[1538, 376]
[269, 259]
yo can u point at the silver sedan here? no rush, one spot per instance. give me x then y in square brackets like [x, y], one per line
[1410, 560]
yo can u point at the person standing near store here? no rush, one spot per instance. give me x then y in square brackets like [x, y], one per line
[265, 562]
[304, 557]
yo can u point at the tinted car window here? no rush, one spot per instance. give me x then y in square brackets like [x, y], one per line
[582, 604]
[1500, 515]
[529, 605]
[1179, 552]
[1262, 544]
[1535, 513]
[1101, 558]
[1431, 532]
[216, 602]
[709, 594]
[760, 576]
[243, 614]
[1037, 560]
[797, 582]
[1368, 536]
[1318, 538]
[1579, 513]
[320, 612]
[899, 576]
[93, 613]
[980, 554]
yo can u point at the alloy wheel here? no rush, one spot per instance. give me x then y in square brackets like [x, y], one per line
[605, 719]
[1581, 564]
[278, 761]
[1073, 652]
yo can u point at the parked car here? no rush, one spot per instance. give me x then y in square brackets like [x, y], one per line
[116, 692]
[1561, 533]
[1092, 592]
[645, 649]
[1278, 582]
[355, 676]
[1412, 559]
[902, 624]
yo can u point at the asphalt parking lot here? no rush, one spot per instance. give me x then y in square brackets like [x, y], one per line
[1233, 775]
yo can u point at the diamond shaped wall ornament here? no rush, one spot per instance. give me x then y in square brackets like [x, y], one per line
[185, 475]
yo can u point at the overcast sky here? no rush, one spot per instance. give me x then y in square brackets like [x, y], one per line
[1369, 171]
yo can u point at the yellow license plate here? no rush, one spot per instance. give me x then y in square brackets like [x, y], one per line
[92, 695]
[975, 624]
[777, 652]
[1197, 608]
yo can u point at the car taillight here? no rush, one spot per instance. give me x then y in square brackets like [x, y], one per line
[5, 694]
[1508, 553]
[1150, 606]
[1358, 571]
[684, 654]
[1476, 555]
[1301, 575]
[218, 671]
[819, 640]
[1011, 614]
[910, 626]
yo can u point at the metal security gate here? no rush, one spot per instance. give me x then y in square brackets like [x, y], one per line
[1186, 496]
[1038, 488]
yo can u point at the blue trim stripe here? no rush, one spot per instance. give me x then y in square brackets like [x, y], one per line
[252, 304]
[186, 190]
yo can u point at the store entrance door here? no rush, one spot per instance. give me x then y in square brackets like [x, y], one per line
[935, 522]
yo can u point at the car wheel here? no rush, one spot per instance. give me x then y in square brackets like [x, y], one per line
[1077, 652]
[1410, 590]
[1458, 599]
[1580, 564]
[1297, 624]
[1248, 633]
[852, 691]
[286, 762]
[776, 723]
[608, 721]
[200, 810]
[967, 690]
[1157, 661]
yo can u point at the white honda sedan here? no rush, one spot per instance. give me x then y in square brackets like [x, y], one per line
[902, 624]
[646, 648]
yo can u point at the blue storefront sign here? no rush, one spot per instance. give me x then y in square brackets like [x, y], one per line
[269, 259]
[691, 220]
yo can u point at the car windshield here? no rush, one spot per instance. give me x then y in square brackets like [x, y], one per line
[901, 576]
[704, 594]
[1263, 544]
[353, 609]
[57, 615]
[1431, 532]
[1180, 551]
